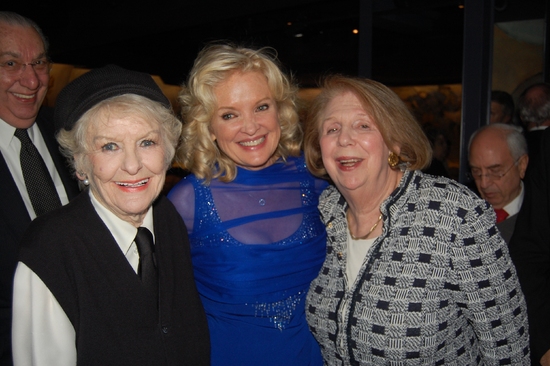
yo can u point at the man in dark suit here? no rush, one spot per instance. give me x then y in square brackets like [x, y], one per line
[530, 251]
[498, 161]
[24, 77]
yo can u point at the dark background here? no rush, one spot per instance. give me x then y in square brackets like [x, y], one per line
[414, 41]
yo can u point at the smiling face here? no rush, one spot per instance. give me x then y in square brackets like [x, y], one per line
[21, 94]
[245, 123]
[352, 148]
[127, 164]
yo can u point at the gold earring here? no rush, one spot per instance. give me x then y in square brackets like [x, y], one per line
[393, 159]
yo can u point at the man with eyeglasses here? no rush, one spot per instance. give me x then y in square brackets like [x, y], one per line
[498, 161]
[33, 175]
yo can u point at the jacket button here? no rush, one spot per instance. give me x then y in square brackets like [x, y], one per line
[165, 330]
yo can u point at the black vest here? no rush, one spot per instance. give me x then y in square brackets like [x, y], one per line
[116, 321]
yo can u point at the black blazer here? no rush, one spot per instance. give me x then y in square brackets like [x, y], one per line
[14, 220]
[530, 249]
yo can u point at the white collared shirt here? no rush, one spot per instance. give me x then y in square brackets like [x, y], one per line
[42, 334]
[513, 207]
[123, 232]
[10, 147]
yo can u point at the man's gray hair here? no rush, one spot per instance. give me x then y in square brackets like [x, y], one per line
[517, 144]
[535, 109]
[14, 19]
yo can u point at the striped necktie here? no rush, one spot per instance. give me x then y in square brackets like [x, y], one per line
[38, 180]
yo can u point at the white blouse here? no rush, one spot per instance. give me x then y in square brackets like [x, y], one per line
[42, 334]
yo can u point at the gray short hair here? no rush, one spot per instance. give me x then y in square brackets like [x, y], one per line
[14, 19]
[535, 109]
[517, 144]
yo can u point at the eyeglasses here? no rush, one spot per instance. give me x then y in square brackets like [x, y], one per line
[13, 67]
[492, 175]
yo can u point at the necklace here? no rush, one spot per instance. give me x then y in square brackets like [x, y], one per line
[370, 231]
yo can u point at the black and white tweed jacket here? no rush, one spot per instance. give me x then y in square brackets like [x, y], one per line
[437, 287]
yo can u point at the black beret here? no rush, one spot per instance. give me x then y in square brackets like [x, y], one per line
[97, 85]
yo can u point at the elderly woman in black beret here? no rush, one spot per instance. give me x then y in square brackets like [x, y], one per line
[107, 279]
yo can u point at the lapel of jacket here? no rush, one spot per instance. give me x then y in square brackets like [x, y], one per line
[12, 208]
[45, 123]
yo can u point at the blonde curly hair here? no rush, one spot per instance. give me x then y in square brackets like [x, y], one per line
[198, 152]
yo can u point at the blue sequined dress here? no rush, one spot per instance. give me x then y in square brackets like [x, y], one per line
[256, 245]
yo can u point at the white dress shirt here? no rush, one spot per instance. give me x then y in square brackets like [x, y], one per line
[515, 205]
[10, 147]
[42, 334]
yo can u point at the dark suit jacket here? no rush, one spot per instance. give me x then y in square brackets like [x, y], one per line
[14, 220]
[530, 249]
[534, 139]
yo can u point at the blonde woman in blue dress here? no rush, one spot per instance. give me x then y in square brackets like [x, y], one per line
[250, 206]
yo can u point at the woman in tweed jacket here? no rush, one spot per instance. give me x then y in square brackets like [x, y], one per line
[416, 272]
